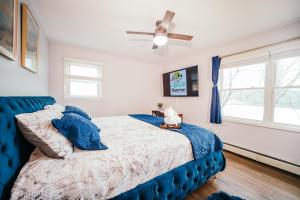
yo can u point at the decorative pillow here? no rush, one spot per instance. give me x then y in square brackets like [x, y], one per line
[78, 111]
[38, 130]
[80, 131]
[57, 107]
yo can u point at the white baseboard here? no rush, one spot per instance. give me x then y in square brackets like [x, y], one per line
[263, 159]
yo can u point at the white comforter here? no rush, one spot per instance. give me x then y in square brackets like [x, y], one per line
[137, 152]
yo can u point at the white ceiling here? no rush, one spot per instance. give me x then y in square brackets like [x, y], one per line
[101, 24]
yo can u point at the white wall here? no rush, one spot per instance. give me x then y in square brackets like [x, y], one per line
[277, 143]
[128, 86]
[16, 80]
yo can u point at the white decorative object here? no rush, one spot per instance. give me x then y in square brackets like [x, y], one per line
[160, 105]
[171, 117]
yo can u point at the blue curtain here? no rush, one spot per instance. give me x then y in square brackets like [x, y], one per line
[215, 109]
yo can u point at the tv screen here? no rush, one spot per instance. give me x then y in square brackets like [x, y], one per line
[181, 83]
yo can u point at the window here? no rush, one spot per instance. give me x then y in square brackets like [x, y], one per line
[287, 91]
[243, 91]
[82, 79]
[264, 90]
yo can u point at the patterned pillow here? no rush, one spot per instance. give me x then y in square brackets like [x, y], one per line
[78, 111]
[38, 130]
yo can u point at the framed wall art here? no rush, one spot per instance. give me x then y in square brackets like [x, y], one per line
[30, 40]
[8, 28]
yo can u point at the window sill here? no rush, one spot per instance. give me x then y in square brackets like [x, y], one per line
[83, 98]
[270, 125]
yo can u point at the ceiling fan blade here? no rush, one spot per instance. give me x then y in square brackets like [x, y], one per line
[154, 46]
[139, 33]
[180, 36]
[167, 19]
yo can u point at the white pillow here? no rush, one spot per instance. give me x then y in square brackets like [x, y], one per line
[38, 130]
[56, 106]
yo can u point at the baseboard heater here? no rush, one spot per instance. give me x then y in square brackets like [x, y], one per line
[269, 160]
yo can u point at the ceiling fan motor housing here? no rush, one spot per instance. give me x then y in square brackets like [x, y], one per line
[160, 35]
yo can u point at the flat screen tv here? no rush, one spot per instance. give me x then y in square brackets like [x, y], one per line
[181, 83]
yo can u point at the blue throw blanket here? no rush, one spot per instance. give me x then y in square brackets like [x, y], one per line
[203, 141]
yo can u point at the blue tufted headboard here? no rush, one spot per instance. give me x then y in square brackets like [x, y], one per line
[14, 149]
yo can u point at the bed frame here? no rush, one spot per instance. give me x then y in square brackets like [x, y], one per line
[15, 151]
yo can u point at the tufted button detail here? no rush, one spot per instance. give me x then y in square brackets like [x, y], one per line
[15, 140]
[8, 126]
[10, 163]
[184, 188]
[175, 181]
[159, 190]
[3, 148]
[207, 163]
[189, 174]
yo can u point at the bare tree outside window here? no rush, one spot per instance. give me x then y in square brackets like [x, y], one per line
[287, 91]
[243, 91]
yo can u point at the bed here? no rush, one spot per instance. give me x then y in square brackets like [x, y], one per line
[160, 174]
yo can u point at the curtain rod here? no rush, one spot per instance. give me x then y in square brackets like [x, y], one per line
[268, 45]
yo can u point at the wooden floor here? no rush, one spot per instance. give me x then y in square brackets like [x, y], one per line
[251, 180]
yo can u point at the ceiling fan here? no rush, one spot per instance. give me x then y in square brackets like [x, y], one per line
[161, 35]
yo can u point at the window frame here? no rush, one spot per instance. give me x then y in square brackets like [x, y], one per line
[269, 87]
[236, 64]
[68, 77]
[286, 54]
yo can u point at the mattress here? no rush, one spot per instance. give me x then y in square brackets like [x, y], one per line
[138, 152]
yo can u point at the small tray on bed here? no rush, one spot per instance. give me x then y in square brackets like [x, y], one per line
[170, 126]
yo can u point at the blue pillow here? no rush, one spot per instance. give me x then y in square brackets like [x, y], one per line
[78, 111]
[81, 132]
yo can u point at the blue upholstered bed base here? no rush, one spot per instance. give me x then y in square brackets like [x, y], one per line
[179, 182]
[15, 151]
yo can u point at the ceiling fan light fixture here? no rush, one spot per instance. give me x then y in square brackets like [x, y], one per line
[161, 34]
[160, 39]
